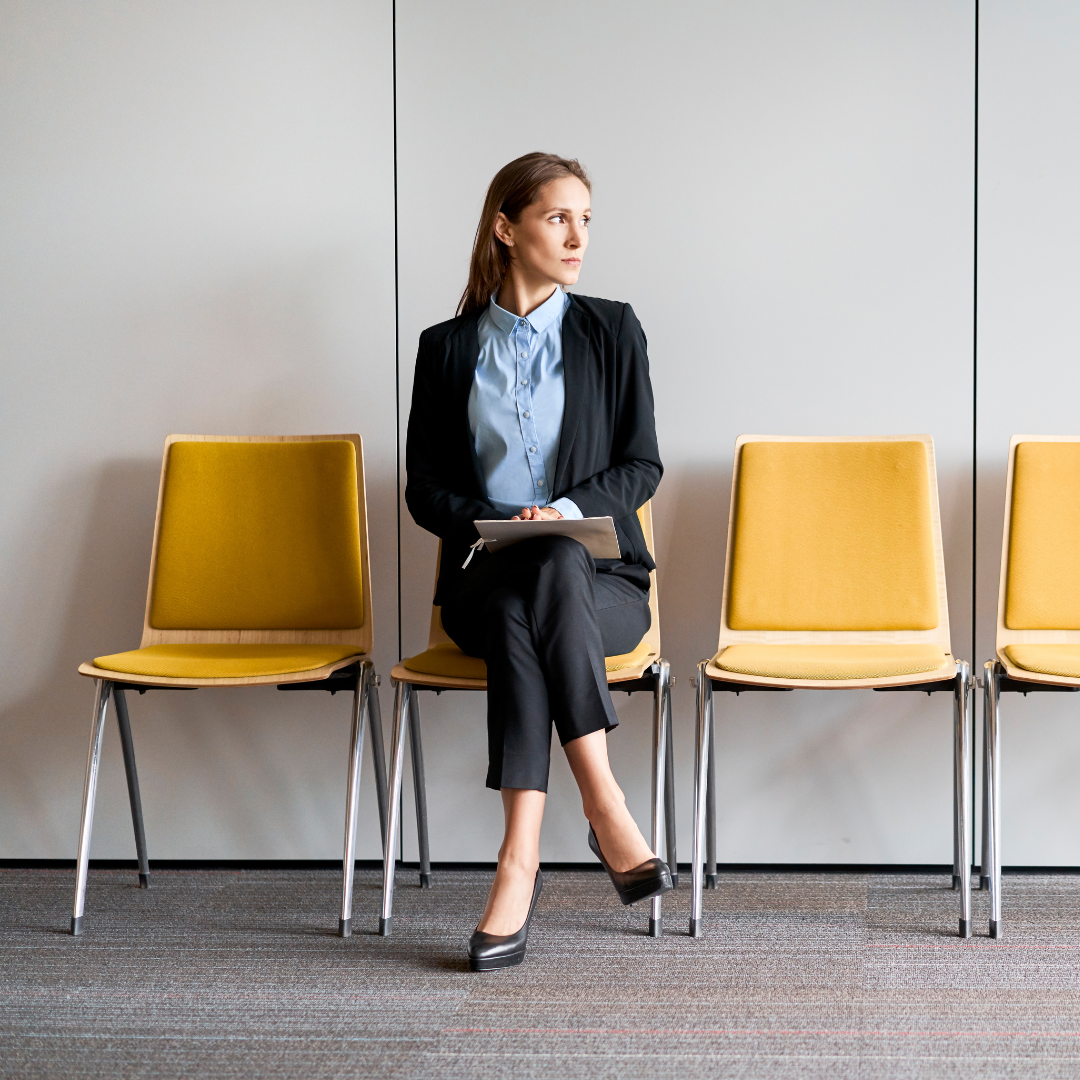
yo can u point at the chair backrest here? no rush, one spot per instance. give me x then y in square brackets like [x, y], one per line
[1039, 583]
[834, 540]
[438, 636]
[260, 540]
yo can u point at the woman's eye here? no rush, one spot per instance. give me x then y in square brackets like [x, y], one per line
[557, 218]
[585, 221]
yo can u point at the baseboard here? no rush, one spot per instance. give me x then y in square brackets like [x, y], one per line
[376, 864]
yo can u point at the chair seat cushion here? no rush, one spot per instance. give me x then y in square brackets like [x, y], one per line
[450, 662]
[223, 661]
[1061, 660]
[829, 662]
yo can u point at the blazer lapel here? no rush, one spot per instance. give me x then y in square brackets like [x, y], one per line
[575, 356]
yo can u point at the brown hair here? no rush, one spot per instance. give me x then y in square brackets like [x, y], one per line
[515, 187]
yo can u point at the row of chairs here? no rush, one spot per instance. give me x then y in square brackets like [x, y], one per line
[834, 579]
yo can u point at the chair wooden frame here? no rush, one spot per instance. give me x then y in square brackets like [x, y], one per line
[355, 673]
[1001, 675]
[651, 673]
[954, 675]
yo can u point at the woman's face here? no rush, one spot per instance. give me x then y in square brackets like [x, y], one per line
[550, 239]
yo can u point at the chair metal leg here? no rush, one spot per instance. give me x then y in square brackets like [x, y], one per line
[957, 814]
[124, 723]
[669, 791]
[710, 820]
[397, 763]
[352, 792]
[962, 788]
[701, 786]
[93, 760]
[993, 771]
[984, 860]
[663, 674]
[416, 747]
[378, 752]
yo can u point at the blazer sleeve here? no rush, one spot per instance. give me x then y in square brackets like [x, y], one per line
[438, 455]
[635, 470]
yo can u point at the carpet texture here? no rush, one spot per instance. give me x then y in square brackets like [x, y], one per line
[239, 974]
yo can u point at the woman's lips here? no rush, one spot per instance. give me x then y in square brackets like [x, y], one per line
[572, 262]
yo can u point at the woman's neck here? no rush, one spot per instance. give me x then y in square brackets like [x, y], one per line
[522, 297]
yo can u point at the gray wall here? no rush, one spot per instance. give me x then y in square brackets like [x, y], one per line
[197, 222]
[1029, 375]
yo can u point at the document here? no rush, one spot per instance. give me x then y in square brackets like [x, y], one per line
[597, 533]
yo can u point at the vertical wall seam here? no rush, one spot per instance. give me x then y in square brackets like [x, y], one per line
[975, 413]
[397, 378]
[975, 353]
[397, 331]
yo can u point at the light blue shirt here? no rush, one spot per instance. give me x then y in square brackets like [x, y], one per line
[516, 405]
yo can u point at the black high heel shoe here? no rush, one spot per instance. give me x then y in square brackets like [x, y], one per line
[641, 883]
[490, 951]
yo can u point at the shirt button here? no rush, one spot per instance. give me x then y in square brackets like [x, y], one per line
[532, 449]
[526, 414]
[524, 355]
[522, 323]
[524, 382]
[539, 483]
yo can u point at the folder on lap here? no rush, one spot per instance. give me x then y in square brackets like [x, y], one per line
[597, 533]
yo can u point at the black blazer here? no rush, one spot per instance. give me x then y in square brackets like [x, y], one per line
[608, 460]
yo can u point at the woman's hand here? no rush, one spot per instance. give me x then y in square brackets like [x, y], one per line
[537, 513]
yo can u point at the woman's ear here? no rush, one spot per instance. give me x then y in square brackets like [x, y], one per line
[503, 230]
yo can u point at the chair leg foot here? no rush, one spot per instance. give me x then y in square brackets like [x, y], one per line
[144, 881]
[710, 881]
[345, 927]
[425, 879]
[984, 884]
[965, 928]
[956, 883]
[674, 879]
[656, 927]
[385, 926]
[76, 926]
[995, 930]
[695, 928]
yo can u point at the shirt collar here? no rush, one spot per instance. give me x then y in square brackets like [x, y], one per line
[539, 320]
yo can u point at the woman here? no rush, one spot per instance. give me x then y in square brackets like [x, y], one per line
[534, 404]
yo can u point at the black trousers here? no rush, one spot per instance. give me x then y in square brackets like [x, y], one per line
[544, 616]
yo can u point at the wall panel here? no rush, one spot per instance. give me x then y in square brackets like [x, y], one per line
[197, 223]
[783, 192]
[1029, 378]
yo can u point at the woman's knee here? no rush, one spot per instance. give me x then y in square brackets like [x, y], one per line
[565, 556]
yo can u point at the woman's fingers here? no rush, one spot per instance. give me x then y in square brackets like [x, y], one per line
[537, 513]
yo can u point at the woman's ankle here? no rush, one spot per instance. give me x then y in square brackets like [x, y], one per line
[517, 862]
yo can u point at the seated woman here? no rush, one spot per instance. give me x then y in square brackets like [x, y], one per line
[534, 404]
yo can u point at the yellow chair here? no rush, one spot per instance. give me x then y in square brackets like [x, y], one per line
[1038, 615]
[443, 666]
[259, 576]
[833, 579]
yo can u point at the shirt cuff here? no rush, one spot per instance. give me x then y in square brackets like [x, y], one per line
[568, 508]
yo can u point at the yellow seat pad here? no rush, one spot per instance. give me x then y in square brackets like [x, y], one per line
[258, 536]
[829, 662]
[450, 662]
[627, 660]
[1043, 587]
[223, 661]
[833, 536]
[1061, 660]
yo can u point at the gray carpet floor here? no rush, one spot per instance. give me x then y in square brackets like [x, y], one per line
[240, 974]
